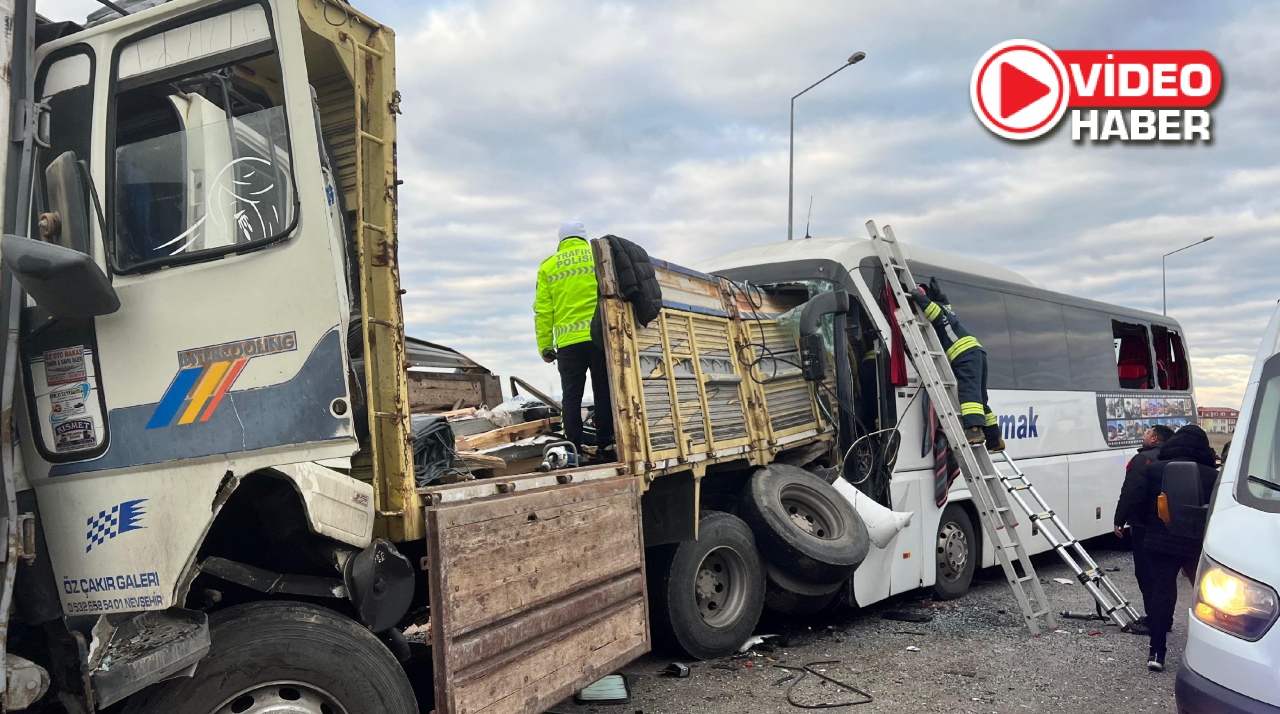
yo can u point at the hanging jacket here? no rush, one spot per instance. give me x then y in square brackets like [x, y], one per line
[1190, 443]
[637, 282]
[1129, 506]
[566, 296]
[955, 339]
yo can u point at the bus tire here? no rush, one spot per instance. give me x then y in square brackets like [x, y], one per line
[803, 526]
[789, 596]
[956, 555]
[287, 654]
[706, 595]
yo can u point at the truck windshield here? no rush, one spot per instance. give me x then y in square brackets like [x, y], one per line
[201, 164]
[1259, 481]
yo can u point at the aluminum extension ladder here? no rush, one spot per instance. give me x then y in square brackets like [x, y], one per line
[988, 485]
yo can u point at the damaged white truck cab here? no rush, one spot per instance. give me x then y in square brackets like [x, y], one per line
[186, 402]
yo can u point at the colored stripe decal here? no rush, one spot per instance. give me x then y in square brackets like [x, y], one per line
[223, 388]
[174, 397]
[212, 375]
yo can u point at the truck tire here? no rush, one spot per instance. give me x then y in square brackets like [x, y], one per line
[784, 594]
[803, 526]
[269, 655]
[706, 595]
[956, 555]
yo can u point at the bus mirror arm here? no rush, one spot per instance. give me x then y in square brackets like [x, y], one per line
[813, 351]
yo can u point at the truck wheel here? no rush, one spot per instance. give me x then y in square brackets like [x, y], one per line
[285, 656]
[803, 526]
[957, 554]
[785, 594]
[707, 594]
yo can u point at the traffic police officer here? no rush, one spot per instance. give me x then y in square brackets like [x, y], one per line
[563, 306]
[968, 362]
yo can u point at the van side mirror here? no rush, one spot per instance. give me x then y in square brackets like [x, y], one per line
[1184, 500]
[58, 272]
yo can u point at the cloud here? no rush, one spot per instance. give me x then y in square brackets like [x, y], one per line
[668, 123]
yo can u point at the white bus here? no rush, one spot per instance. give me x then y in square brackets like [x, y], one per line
[1074, 383]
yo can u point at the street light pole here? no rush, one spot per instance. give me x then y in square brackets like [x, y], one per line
[855, 58]
[1164, 290]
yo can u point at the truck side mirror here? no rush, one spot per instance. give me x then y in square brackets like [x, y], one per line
[58, 272]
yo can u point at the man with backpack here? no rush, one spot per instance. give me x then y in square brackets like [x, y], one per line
[1129, 510]
[1167, 552]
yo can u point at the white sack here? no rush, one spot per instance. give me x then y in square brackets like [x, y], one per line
[882, 523]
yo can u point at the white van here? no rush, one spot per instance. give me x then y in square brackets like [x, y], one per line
[1232, 662]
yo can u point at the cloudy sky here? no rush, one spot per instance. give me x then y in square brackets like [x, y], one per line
[666, 122]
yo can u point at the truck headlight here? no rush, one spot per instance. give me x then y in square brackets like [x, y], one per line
[1228, 601]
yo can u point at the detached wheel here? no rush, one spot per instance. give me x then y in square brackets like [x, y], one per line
[786, 595]
[803, 526]
[956, 554]
[277, 657]
[706, 595]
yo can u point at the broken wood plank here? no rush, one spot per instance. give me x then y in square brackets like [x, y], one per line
[508, 434]
[481, 461]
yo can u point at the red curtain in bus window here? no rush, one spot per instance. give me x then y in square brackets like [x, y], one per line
[1163, 356]
[1179, 374]
[897, 353]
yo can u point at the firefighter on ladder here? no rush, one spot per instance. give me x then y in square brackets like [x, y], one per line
[968, 362]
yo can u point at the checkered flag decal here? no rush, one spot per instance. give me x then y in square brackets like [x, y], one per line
[104, 526]
[122, 518]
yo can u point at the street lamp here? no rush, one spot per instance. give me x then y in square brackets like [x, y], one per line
[1164, 291]
[855, 58]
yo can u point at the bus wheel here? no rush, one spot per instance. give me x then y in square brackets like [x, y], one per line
[285, 656]
[706, 594]
[957, 554]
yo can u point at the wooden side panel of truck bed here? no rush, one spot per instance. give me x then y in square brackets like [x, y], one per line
[535, 594]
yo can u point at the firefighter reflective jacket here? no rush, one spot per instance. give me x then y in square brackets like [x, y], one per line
[955, 339]
[566, 296]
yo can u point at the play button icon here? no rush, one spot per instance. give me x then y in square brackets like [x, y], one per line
[1019, 89]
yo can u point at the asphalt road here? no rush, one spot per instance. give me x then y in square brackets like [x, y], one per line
[974, 656]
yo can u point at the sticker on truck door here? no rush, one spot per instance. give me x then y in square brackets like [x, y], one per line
[68, 402]
[64, 366]
[74, 435]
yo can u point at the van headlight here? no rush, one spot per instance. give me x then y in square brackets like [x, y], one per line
[1230, 602]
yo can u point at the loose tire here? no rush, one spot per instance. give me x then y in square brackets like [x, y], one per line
[706, 595]
[285, 656]
[956, 554]
[803, 526]
[786, 595]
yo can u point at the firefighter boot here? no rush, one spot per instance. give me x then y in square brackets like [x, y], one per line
[974, 435]
[995, 441]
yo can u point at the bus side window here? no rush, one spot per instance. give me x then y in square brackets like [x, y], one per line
[1038, 338]
[1171, 361]
[982, 312]
[1090, 348]
[1133, 356]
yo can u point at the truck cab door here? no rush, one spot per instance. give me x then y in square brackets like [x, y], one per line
[228, 352]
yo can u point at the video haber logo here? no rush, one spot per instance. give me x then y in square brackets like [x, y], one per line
[1021, 89]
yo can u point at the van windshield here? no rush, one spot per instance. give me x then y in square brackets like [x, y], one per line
[1259, 482]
